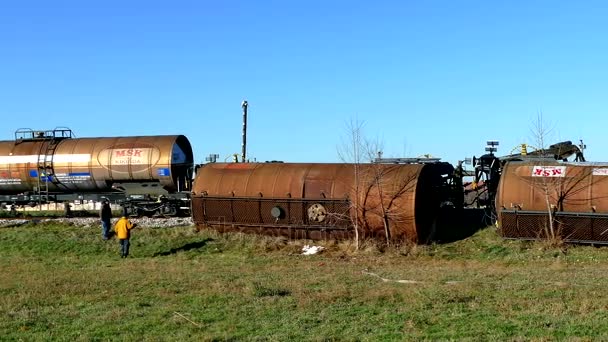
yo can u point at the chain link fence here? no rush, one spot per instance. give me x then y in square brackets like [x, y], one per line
[295, 218]
[571, 227]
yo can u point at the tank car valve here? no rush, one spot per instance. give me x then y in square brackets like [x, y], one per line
[317, 213]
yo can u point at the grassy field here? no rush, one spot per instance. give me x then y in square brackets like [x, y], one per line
[65, 283]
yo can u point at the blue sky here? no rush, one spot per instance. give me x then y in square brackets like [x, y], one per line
[426, 77]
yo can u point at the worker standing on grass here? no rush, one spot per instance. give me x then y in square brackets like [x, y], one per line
[105, 215]
[123, 233]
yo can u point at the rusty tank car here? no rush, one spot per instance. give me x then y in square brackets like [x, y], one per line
[322, 201]
[45, 166]
[575, 194]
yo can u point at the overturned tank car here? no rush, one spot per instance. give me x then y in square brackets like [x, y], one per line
[322, 201]
[540, 199]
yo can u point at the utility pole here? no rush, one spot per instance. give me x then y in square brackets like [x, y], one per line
[243, 154]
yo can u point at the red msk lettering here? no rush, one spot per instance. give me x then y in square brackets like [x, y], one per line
[548, 172]
[128, 153]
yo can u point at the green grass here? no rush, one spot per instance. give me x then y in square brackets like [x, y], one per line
[65, 283]
[53, 213]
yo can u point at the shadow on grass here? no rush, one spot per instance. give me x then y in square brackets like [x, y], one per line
[459, 224]
[187, 247]
[260, 290]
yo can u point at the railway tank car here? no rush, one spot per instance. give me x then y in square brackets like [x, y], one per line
[143, 173]
[539, 199]
[322, 201]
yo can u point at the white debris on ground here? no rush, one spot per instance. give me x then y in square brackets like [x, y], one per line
[401, 281]
[310, 250]
[407, 281]
[94, 222]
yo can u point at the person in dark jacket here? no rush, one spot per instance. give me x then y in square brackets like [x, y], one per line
[105, 214]
[67, 210]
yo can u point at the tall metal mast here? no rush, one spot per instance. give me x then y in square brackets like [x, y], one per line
[243, 154]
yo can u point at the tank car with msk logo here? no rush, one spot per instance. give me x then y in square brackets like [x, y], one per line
[145, 174]
[540, 199]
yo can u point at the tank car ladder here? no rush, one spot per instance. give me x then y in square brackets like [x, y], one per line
[46, 169]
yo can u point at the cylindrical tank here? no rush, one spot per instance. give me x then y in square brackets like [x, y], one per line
[92, 164]
[576, 195]
[319, 201]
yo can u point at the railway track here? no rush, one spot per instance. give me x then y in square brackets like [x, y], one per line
[148, 222]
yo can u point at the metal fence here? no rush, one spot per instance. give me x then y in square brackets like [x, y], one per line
[271, 216]
[571, 227]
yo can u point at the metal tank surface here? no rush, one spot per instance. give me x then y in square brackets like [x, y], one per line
[321, 201]
[55, 162]
[576, 195]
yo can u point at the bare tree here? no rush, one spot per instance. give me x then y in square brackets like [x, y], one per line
[351, 151]
[562, 187]
[385, 187]
[373, 148]
[377, 186]
[540, 132]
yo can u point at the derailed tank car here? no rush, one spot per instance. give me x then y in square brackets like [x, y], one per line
[144, 173]
[539, 199]
[322, 201]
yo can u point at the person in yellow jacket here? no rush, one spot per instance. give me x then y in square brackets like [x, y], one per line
[123, 233]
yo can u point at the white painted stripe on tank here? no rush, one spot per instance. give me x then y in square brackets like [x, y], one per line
[18, 159]
[57, 158]
[71, 158]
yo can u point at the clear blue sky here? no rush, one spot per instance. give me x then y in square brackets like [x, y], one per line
[426, 77]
